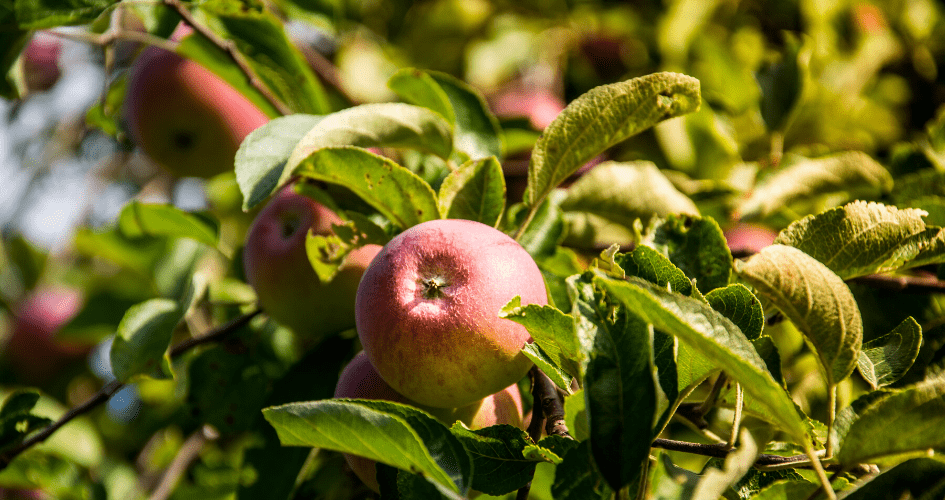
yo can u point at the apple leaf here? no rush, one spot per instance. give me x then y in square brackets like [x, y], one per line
[153, 219]
[474, 191]
[787, 490]
[782, 84]
[806, 178]
[886, 359]
[644, 262]
[623, 192]
[477, 132]
[142, 339]
[419, 88]
[863, 238]
[261, 37]
[542, 236]
[601, 118]
[852, 412]
[815, 299]
[397, 193]
[326, 254]
[575, 415]
[548, 366]
[43, 14]
[696, 246]
[367, 125]
[715, 336]
[263, 154]
[552, 330]
[907, 421]
[576, 477]
[737, 303]
[922, 478]
[498, 457]
[714, 482]
[226, 390]
[16, 419]
[397, 435]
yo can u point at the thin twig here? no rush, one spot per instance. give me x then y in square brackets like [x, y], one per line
[721, 450]
[551, 406]
[737, 419]
[909, 284]
[230, 48]
[185, 457]
[114, 386]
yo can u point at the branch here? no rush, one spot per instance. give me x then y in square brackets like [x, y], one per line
[114, 386]
[534, 427]
[230, 48]
[909, 284]
[551, 405]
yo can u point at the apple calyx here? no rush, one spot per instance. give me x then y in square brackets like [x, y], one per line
[434, 287]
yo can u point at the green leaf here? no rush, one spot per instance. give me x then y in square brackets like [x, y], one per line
[548, 366]
[601, 118]
[263, 154]
[575, 415]
[27, 261]
[477, 132]
[390, 433]
[644, 262]
[543, 234]
[576, 478]
[550, 329]
[497, 455]
[782, 84]
[12, 41]
[696, 246]
[671, 482]
[386, 124]
[737, 303]
[715, 336]
[261, 37]
[851, 413]
[43, 14]
[620, 393]
[714, 482]
[908, 421]
[474, 191]
[815, 299]
[326, 254]
[142, 339]
[886, 359]
[226, 390]
[921, 478]
[623, 192]
[807, 178]
[16, 419]
[419, 88]
[787, 490]
[861, 238]
[397, 193]
[151, 219]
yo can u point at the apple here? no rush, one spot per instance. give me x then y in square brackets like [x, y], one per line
[41, 61]
[746, 239]
[359, 380]
[540, 106]
[8, 494]
[32, 350]
[183, 116]
[277, 267]
[427, 311]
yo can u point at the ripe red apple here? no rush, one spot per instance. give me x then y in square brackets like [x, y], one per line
[41, 61]
[278, 268]
[540, 106]
[746, 239]
[427, 311]
[32, 350]
[183, 116]
[360, 380]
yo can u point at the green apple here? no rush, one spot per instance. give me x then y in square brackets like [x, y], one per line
[428, 306]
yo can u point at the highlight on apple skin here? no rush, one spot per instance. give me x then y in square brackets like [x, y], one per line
[427, 311]
[184, 117]
[359, 380]
[32, 350]
[277, 267]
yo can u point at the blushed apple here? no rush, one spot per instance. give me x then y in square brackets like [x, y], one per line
[428, 306]
[183, 116]
[745, 239]
[278, 268]
[359, 380]
[41, 61]
[32, 350]
[540, 106]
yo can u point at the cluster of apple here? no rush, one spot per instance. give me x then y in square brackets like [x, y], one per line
[426, 311]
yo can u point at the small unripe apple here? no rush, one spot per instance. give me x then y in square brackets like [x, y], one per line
[32, 350]
[428, 311]
[41, 61]
[359, 380]
[184, 117]
[278, 268]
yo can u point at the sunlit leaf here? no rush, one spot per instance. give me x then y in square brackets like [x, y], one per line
[474, 191]
[150, 219]
[886, 359]
[142, 339]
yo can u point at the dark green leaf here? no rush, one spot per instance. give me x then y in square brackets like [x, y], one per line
[542, 236]
[781, 86]
[601, 118]
[263, 155]
[920, 478]
[16, 419]
[576, 478]
[27, 260]
[815, 299]
[886, 359]
[476, 129]
[474, 191]
[497, 457]
[142, 339]
[42, 14]
[737, 303]
[696, 246]
[148, 219]
[644, 262]
[227, 390]
[12, 41]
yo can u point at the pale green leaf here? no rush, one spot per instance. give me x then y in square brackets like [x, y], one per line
[474, 191]
[548, 366]
[152, 219]
[715, 482]
[551, 329]
[263, 154]
[419, 88]
[807, 178]
[815, 299]
[886, 359]
[601, 118]
[142, 339]
[476, 131]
